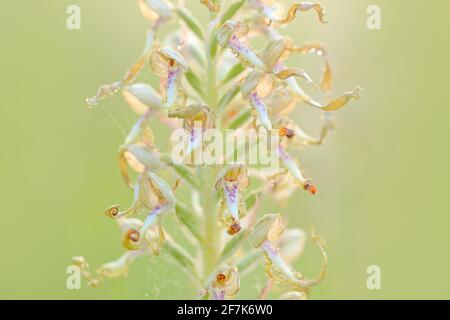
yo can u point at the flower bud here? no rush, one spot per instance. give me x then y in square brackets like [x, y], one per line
[153, 10]
[141, 97]
[269, 228]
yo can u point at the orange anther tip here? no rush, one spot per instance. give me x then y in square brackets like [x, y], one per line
[310, 188]
[285, 132]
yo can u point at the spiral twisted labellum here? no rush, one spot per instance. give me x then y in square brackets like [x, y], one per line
[343, 100]
[308, 140]
[212, 5]
[295, 72]
[232, 180]
[170, 66]
[223, 283]
[131, 239]
[303, 7]
[155, 10]
[300, 95]
[228, 36]
[319, 50]
[280, 271]
[141, 97]
[107, 90]
[114, 211]
[288, 129]
[144, 198]
[102, 92]
[130, 75]
[289, 163]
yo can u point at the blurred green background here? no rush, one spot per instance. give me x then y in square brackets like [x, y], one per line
[383, 176]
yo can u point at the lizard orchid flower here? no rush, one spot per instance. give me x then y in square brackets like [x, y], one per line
[231, 181]
[170, 66]
[222, 284]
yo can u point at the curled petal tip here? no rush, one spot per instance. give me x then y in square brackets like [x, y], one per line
[112, 211]
[131, 240]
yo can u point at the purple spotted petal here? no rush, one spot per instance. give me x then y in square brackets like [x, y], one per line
[231, 191]
[261, 109]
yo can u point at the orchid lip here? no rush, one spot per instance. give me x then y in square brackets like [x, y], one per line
[245, 53]
[171, 87]
[195, 138]
[151, 219]
[262, 110]
[277, 260]
[231, 191]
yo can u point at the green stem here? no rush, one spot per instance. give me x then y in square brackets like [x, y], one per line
[211, 245]
[211, 95]
[211, 84]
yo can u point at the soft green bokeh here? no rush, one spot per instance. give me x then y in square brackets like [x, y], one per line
[383, 175]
